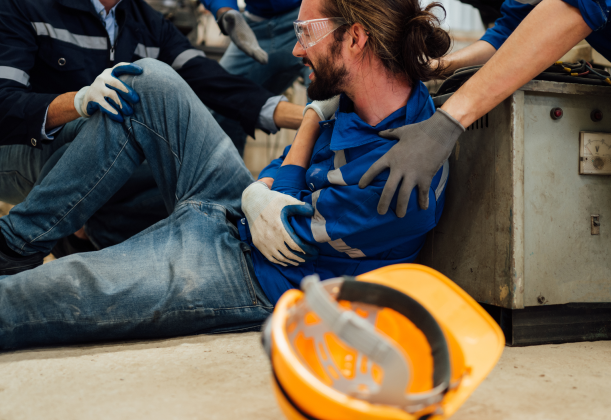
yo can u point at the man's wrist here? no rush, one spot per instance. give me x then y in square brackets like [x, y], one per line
[267, 181]
[61, 111]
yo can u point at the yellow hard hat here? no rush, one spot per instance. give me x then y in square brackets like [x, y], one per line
[401, 342]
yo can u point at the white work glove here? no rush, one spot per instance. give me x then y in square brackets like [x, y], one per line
[325, 109]
[109, 94]
[232, 23]
[267, 213]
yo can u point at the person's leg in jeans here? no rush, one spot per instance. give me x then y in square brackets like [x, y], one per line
[138, 205]
[276, 36]
[135, 207]
[188, 273]
[21, 165]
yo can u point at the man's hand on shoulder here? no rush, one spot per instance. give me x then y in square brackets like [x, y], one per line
[414, 160]
[267, 213]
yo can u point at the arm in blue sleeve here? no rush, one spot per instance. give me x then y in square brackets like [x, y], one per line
[513, 14]
[594, 12]
[270, 170]
[215, 5]
[346, 221]
[290, 180]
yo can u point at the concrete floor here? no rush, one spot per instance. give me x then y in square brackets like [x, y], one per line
[227, 377]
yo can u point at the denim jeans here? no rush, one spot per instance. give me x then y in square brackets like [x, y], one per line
[135, 207]
[277, 37]
[189, 273]
[22, 165]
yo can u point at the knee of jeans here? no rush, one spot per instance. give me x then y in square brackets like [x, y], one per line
[156, 78]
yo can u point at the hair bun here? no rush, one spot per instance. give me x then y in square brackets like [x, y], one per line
[403, 35]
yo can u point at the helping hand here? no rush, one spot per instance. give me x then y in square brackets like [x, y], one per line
[267, 213]
[232, 23]
[109, 94]
[325, 109]
[414, 160]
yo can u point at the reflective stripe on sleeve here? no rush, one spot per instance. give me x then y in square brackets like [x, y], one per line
[531, 2]
[11, 73]
[185, 56]
[335, 176]
[83, 41]
[340, 245]
[319, 229]
[339, 159]
[319, 232]
[146, 52]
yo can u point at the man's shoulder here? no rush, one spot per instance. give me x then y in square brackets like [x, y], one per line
[26, 5]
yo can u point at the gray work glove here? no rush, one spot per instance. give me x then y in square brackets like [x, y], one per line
[414, 160]
[232, 23]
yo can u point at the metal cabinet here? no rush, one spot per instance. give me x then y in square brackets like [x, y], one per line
[519, 225]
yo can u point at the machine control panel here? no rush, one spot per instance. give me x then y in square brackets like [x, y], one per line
[594, 153]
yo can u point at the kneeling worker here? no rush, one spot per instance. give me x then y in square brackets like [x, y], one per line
[206, 268]
[53, 48]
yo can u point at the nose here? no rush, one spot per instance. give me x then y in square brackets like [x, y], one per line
[298, 50]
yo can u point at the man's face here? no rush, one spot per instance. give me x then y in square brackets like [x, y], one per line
[329, 74]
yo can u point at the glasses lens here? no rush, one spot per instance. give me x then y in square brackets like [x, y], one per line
[298, 25]
[310, 32]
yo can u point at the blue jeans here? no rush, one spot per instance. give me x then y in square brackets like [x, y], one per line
[187, 274]
[134, 208]
[276, 36]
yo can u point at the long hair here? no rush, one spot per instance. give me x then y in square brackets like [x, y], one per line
[402, 35]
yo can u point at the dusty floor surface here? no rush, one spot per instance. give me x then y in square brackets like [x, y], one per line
[227, 377]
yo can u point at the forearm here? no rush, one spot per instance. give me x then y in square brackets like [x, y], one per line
[473, 55]
[288, 115]
[301, 149]
[61, 111]
[547, 33]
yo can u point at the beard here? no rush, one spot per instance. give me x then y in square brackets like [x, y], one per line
[329, 79]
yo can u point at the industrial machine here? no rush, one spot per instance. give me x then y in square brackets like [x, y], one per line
[526, 228]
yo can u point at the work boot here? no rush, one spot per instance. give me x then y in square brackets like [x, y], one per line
[71, 245]
[14, 265]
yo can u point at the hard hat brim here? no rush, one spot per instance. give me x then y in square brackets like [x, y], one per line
[479, 337]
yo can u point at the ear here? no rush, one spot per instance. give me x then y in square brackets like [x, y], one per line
[359, 36]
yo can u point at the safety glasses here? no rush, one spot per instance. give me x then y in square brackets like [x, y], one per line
[311, 32]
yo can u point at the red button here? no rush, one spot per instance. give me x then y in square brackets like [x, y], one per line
[556, 113]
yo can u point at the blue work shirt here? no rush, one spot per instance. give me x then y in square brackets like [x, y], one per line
[109, 19]
[350, 234]
[594, 12]
[262, 8]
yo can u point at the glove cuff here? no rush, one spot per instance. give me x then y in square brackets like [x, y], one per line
[219, 21]
[324, 109]
[78, 101]
[443, 128]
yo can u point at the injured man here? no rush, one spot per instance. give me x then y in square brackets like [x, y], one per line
[230, 247]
